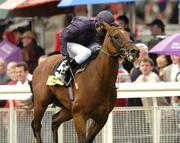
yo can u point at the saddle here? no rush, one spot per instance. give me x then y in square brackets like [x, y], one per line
[53, 80]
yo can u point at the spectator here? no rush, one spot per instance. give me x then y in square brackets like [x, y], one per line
[143, 52]
[157, 28]
[146, 67]
[18, 35]
[31, 51]
[11, 73]
[161, 62]
[4, 78]
[123, 21]
[123, 76]
[21, 72]
[169, 72]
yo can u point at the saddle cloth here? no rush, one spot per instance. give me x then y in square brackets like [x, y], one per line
[53, 80]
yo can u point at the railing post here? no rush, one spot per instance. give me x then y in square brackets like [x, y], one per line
[154, 120]
[11, 123]
[60, 134]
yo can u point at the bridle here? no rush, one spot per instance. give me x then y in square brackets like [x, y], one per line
[122, 52]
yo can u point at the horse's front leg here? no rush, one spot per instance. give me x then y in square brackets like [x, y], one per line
[57, 120]
[80, 126]
[95, 127]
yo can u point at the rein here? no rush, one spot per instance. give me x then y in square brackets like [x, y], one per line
[116, 55]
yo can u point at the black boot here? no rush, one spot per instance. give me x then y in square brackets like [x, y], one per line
[73, 65]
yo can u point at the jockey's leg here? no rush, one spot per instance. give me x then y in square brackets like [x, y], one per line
[79, 53]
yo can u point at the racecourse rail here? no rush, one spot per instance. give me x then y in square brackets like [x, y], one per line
[125, 124]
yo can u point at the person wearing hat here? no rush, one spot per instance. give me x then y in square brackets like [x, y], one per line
[31, 51]
[157, 28]
[77, 41]
[123, 21]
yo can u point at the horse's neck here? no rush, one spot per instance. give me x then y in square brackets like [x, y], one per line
[107, 68]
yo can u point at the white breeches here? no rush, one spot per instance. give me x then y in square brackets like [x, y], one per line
[79, 52]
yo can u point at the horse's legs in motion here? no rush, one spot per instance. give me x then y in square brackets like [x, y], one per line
[57, 120]
[80, 126]
[39, 109]
[94, 128]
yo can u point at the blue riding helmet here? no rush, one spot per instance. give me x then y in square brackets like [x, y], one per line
[104, 16]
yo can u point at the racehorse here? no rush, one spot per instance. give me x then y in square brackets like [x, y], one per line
[95, 95]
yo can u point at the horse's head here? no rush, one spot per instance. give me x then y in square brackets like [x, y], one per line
[118, 43]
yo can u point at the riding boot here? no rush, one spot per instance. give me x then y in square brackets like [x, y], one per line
[65, 73]
[73, 65]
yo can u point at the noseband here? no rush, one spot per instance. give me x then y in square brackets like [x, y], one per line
[122, 52]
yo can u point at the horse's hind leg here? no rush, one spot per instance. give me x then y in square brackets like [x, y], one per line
[39, 109]
[94, 128]
[57, 120]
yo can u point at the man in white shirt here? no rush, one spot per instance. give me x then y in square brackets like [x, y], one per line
[22, 73]
[146, 66]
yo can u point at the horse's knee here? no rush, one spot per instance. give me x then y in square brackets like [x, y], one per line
[60, 117]
[35, 126]
[90, 140]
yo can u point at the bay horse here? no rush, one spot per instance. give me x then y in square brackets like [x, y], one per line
[96, 95]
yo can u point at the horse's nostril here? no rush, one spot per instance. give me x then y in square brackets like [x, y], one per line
[123, 53]
[134, 52]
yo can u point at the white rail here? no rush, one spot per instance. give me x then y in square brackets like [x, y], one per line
[124, 90]
[14, 92]
[153, 89]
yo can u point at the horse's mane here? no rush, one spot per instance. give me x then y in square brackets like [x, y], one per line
[114, 24]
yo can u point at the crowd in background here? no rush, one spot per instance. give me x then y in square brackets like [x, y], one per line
[19, 72]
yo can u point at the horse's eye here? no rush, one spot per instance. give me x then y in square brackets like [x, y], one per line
[116, 37]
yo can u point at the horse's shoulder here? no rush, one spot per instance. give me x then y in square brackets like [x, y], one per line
[52, 60]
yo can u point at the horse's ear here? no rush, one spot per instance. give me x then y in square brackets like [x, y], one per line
[106, 25]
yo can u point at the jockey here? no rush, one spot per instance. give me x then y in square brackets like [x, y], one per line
[77, 39]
